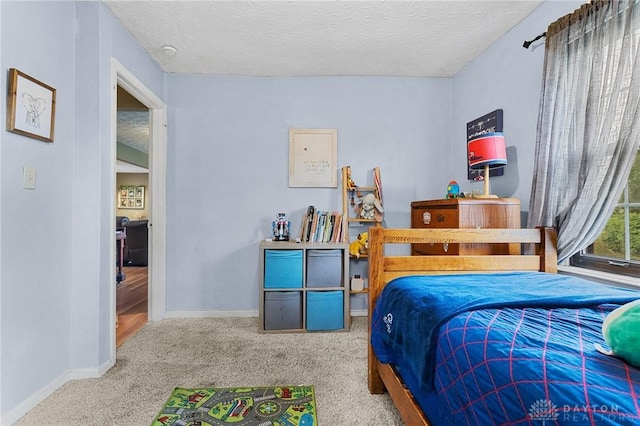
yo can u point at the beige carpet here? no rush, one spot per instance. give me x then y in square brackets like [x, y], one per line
[214, 352]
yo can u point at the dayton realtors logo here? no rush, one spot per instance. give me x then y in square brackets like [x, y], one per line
[545, 410]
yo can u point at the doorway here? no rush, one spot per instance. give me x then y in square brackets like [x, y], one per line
[132, 215]
[155, 196]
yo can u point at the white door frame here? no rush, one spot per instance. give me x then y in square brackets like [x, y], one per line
[157, 194]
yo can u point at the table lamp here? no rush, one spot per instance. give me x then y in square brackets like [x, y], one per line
[487, 152]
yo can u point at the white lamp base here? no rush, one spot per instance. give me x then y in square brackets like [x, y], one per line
[486, 184]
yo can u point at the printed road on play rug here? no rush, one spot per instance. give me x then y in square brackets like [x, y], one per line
[259, 406]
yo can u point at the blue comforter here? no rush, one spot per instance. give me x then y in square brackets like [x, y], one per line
[530, 366]
[411, 310]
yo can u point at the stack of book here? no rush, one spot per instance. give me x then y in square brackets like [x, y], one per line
[321, 226]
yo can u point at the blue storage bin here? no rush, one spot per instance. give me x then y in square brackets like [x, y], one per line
[283, 269]
[282, 310]
[324, 268]
[325, 310]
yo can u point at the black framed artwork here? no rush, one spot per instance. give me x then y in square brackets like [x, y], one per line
[488, 123]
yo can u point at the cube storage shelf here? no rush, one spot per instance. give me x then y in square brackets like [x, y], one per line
[303, 287]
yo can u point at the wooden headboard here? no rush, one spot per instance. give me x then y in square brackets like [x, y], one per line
[539, 242]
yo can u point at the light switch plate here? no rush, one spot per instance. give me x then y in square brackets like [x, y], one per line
[29, 177]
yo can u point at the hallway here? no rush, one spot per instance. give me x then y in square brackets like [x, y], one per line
[131, 303]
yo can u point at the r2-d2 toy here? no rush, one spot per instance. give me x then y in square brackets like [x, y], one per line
[281, 227]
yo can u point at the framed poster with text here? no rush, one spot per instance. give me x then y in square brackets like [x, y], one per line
[488, 123]
[313, 155]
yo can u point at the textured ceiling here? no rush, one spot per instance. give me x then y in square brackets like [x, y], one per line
[426, 38]
[133, 129]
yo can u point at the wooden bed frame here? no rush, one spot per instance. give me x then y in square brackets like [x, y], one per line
[539, 242]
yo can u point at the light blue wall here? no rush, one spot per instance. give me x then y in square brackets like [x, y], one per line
[100, 38]
[37, 39]
[506, 76]
[228, 154]
[55, 251]
[228, 167]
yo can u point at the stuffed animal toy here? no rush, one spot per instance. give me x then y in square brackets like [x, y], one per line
[360, 245]
[369, 207]
[621, 331]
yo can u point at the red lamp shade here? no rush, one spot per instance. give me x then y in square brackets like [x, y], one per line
[487, 151]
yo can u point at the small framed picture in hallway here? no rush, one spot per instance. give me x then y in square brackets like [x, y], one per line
[131, 197]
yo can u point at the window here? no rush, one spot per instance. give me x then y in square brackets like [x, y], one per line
[617, 249]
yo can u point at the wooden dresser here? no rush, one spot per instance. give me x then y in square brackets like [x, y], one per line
[465, 213]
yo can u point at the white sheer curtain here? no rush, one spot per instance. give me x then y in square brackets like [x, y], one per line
[589, 121]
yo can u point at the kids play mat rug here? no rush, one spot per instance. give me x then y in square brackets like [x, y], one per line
[278, 406]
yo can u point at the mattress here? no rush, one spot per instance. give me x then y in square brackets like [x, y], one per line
[514, 348]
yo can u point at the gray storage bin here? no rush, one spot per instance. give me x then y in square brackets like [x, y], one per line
[282, 310]
[324, 268]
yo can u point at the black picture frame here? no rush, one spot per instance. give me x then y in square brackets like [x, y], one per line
[488, 123]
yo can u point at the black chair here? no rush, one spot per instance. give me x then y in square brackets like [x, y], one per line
[137, 243]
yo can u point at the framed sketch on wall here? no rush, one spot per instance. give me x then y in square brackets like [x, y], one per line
[131, 197]
[31, 107]
[313, 155]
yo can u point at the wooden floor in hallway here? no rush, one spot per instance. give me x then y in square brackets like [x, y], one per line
[131, 302]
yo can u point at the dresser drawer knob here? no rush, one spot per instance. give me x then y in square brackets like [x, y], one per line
[426, 218]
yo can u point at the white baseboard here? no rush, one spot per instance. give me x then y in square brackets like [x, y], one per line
[359, 313]
[23, 408]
